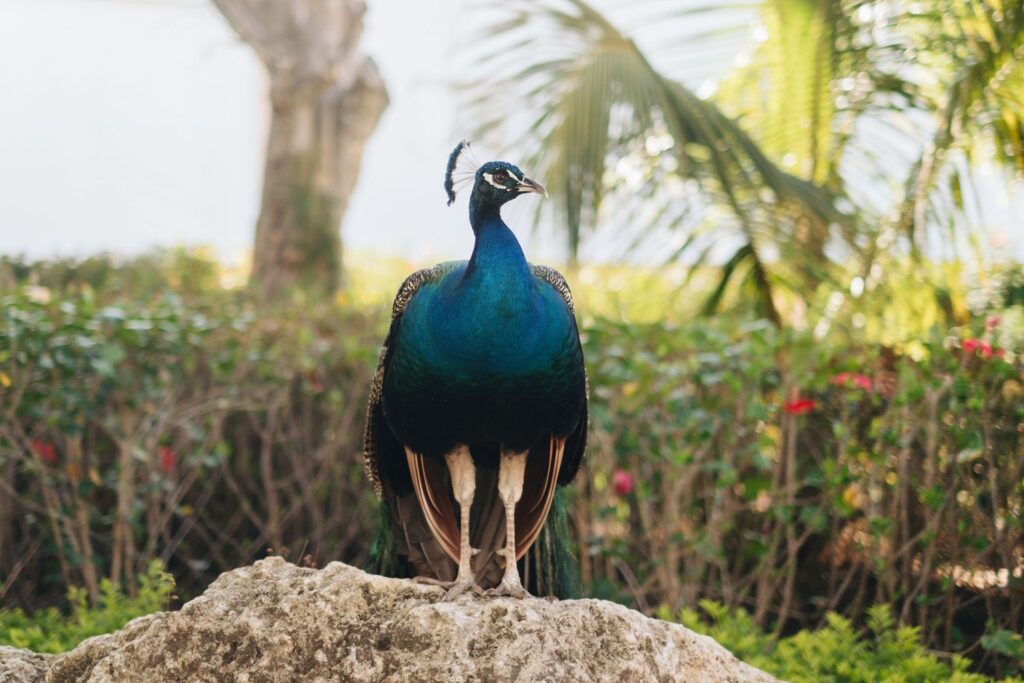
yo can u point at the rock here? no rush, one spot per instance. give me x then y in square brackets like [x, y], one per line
[274, 621]
[22, 666]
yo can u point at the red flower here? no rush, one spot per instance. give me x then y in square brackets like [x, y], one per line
[983, 348]
[992, 322]
[47, 451]
[167, 459]
[845, 378]
[622, 482]
[800, 406]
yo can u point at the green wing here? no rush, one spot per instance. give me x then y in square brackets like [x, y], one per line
[383, 457]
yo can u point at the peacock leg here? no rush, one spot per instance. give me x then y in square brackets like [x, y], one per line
[511, 471]
[463, 475]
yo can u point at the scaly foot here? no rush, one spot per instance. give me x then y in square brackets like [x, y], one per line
[460, 586]
[454, 588]
[510, 588]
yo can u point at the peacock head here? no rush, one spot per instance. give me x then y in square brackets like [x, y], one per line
[499, 181]
[494, 183]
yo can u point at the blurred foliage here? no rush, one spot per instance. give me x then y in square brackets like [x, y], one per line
[836, 652]
[601, 123]
[968, 58]
[146, 414]
[869, 454]
[190, 274]
[49, 630]
[833, 134]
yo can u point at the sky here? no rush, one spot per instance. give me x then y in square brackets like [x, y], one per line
[127, 124]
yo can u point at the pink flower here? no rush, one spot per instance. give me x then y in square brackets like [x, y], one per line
[800, 406]
[622, 483]
[992, 322]
[857, 380]
[983, 348]
[47, 451]
[167, 459]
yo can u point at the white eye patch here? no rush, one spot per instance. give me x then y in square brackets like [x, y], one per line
[490, 179]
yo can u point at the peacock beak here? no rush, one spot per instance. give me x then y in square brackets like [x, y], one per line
[527, 185]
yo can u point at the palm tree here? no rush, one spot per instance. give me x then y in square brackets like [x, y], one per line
[816, 119]
[593, 95]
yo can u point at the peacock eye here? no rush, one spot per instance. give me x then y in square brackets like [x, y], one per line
[501, 176]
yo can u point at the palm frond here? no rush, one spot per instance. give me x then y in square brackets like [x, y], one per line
[977, 47]
[590, 103]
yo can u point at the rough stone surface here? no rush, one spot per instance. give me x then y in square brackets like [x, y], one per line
[22, 666]
[274, 621]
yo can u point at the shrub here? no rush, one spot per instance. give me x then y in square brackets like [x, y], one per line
[836, 653]
[51, 631]
[797, 473]
[196, 434]
[801, 477]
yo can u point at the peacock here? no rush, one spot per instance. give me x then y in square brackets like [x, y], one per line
[478, 412]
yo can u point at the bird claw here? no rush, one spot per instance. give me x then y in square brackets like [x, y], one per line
[460, 586]
[512, 589]
[431, 581]
[453, 588]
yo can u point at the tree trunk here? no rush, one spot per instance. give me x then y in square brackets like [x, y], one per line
[326, 99]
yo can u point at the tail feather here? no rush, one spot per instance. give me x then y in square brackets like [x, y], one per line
[384, 553]
[549, 568]
[404, 546]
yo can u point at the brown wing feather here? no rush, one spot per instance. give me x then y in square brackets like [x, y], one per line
[433, 492]
[538, 492]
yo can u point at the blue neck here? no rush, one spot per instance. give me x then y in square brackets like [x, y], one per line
[497, 255]
[490, 318]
